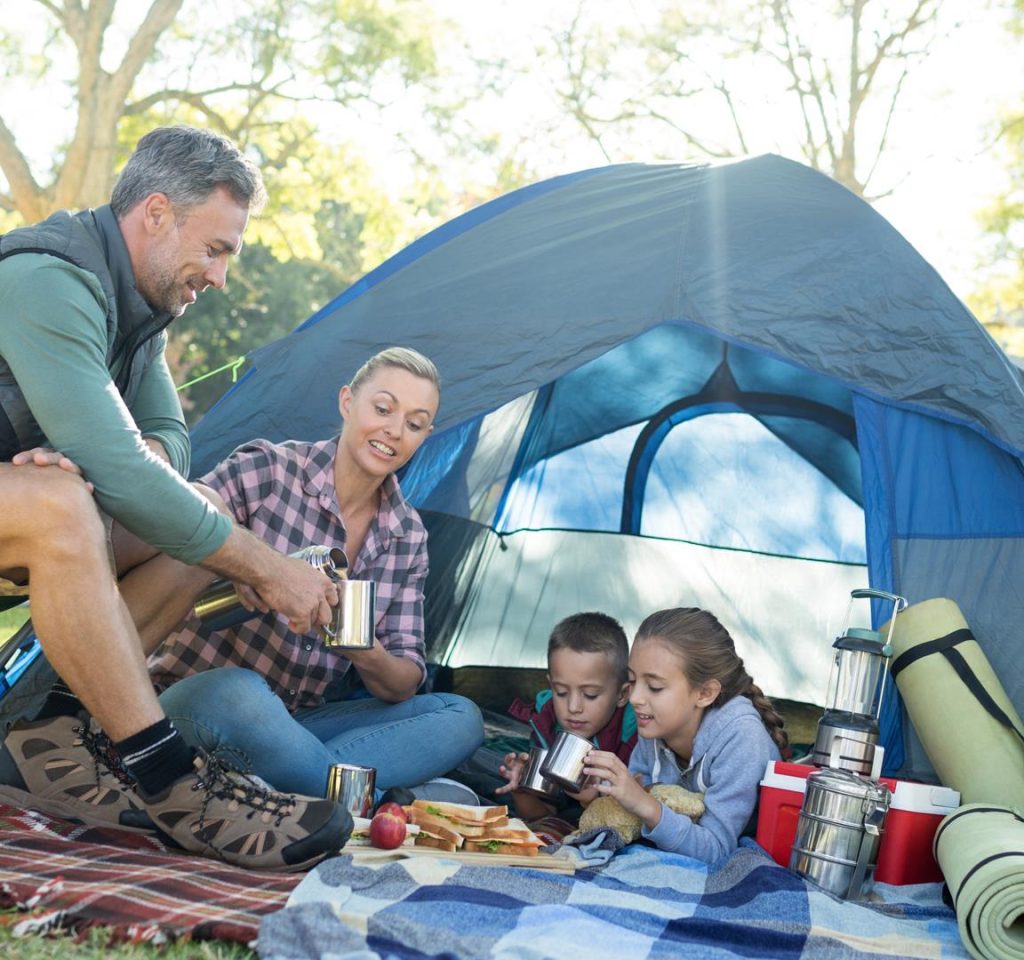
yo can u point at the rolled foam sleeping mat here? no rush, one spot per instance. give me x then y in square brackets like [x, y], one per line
[965, 721]
[980, 849]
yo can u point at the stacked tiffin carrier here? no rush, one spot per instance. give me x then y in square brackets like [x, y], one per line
[457, 826]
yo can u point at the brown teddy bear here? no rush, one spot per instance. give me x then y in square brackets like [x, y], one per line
[608, 812]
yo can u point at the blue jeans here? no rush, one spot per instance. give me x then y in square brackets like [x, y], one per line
[232, 713]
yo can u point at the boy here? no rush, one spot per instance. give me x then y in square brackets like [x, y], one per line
[588, 657]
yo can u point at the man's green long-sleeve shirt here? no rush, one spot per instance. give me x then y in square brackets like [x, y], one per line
[53, 336]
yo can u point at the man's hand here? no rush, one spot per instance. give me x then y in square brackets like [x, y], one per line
[45, 457]
[298, 591]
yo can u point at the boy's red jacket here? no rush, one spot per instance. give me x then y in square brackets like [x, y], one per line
[609, 738]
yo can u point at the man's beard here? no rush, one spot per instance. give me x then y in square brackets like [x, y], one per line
[161, 288]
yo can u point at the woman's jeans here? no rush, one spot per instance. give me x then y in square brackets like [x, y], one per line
[232, 713]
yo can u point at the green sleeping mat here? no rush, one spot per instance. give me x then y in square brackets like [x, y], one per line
[966, 723]
[980, 849]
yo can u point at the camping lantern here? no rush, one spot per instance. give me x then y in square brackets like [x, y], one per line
[847, 736]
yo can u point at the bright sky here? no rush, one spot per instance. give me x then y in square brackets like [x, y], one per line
[940, 171]
[946, 171]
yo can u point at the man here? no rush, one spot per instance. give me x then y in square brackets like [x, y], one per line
[90, 429]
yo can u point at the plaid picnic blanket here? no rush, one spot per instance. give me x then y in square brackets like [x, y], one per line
[70, 878]
[643, 904]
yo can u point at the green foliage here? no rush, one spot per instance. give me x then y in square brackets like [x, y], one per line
[999, 298]
[11, 621]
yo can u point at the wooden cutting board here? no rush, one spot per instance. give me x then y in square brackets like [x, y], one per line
[543, 861]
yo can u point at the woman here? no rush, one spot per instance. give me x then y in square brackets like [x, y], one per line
[265, 698]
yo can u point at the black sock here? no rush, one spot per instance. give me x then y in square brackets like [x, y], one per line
[61, 702]
[156, 756]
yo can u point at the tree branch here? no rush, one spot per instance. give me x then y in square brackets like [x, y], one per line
[24, 190]
[52, 7]
[187, 96]
[160, 16]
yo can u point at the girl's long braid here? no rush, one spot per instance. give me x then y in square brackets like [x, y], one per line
[770, 717]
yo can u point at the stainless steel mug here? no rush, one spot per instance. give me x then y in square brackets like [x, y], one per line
[564, 762]
[533, 781]
[839, 831]
[352, 787]
[218, 605]
[352, 625]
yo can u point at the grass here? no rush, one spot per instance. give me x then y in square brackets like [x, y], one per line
[96, 947]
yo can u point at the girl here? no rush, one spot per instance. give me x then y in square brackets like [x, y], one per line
[703, 724]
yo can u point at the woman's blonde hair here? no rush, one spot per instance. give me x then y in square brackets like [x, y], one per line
[402, 358]
[707, 652]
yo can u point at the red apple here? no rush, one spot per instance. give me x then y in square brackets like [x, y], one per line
[387, 830]
[396, 808]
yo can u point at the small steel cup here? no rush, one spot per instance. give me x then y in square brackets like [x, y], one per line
[352, 786]
[534, 781]
[352, 625]
[565, 761]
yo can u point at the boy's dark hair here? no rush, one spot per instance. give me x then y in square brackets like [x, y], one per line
[593, 633]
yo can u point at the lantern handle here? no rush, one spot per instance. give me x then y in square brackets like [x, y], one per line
[899, 602]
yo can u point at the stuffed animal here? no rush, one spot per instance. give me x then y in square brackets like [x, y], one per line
[686, 802]
[608, 812]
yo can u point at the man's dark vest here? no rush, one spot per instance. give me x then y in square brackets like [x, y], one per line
[92, 241]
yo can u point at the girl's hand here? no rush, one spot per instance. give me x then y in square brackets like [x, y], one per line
[512, 770]
[615, 780]
[586, 796]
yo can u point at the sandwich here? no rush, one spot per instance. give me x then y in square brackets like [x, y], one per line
[456, 821]
[515, 839]
[456, 826]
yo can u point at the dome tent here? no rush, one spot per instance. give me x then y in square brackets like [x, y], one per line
[733, 386]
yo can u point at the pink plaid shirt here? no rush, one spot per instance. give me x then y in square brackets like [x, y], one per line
[284, 493]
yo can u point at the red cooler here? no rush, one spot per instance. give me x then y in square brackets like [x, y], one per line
[917, 809]
[905, 855]
[782, 794]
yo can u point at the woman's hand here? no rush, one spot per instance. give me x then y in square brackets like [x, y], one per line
[512, 770]
[615, 780]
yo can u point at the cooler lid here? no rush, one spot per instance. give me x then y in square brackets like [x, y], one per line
[924, 798]
[787, 776]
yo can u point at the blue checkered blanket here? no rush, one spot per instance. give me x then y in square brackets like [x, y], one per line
[643, 904]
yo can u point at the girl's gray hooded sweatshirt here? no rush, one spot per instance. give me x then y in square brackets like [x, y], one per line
[730, 754]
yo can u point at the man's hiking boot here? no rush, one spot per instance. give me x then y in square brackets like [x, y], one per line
[64, 768]
[239, 819]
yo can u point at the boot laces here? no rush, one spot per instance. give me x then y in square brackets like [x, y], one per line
[221, 782]
[105, 756]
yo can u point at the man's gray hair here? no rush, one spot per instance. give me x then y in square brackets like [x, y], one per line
[186, 164]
